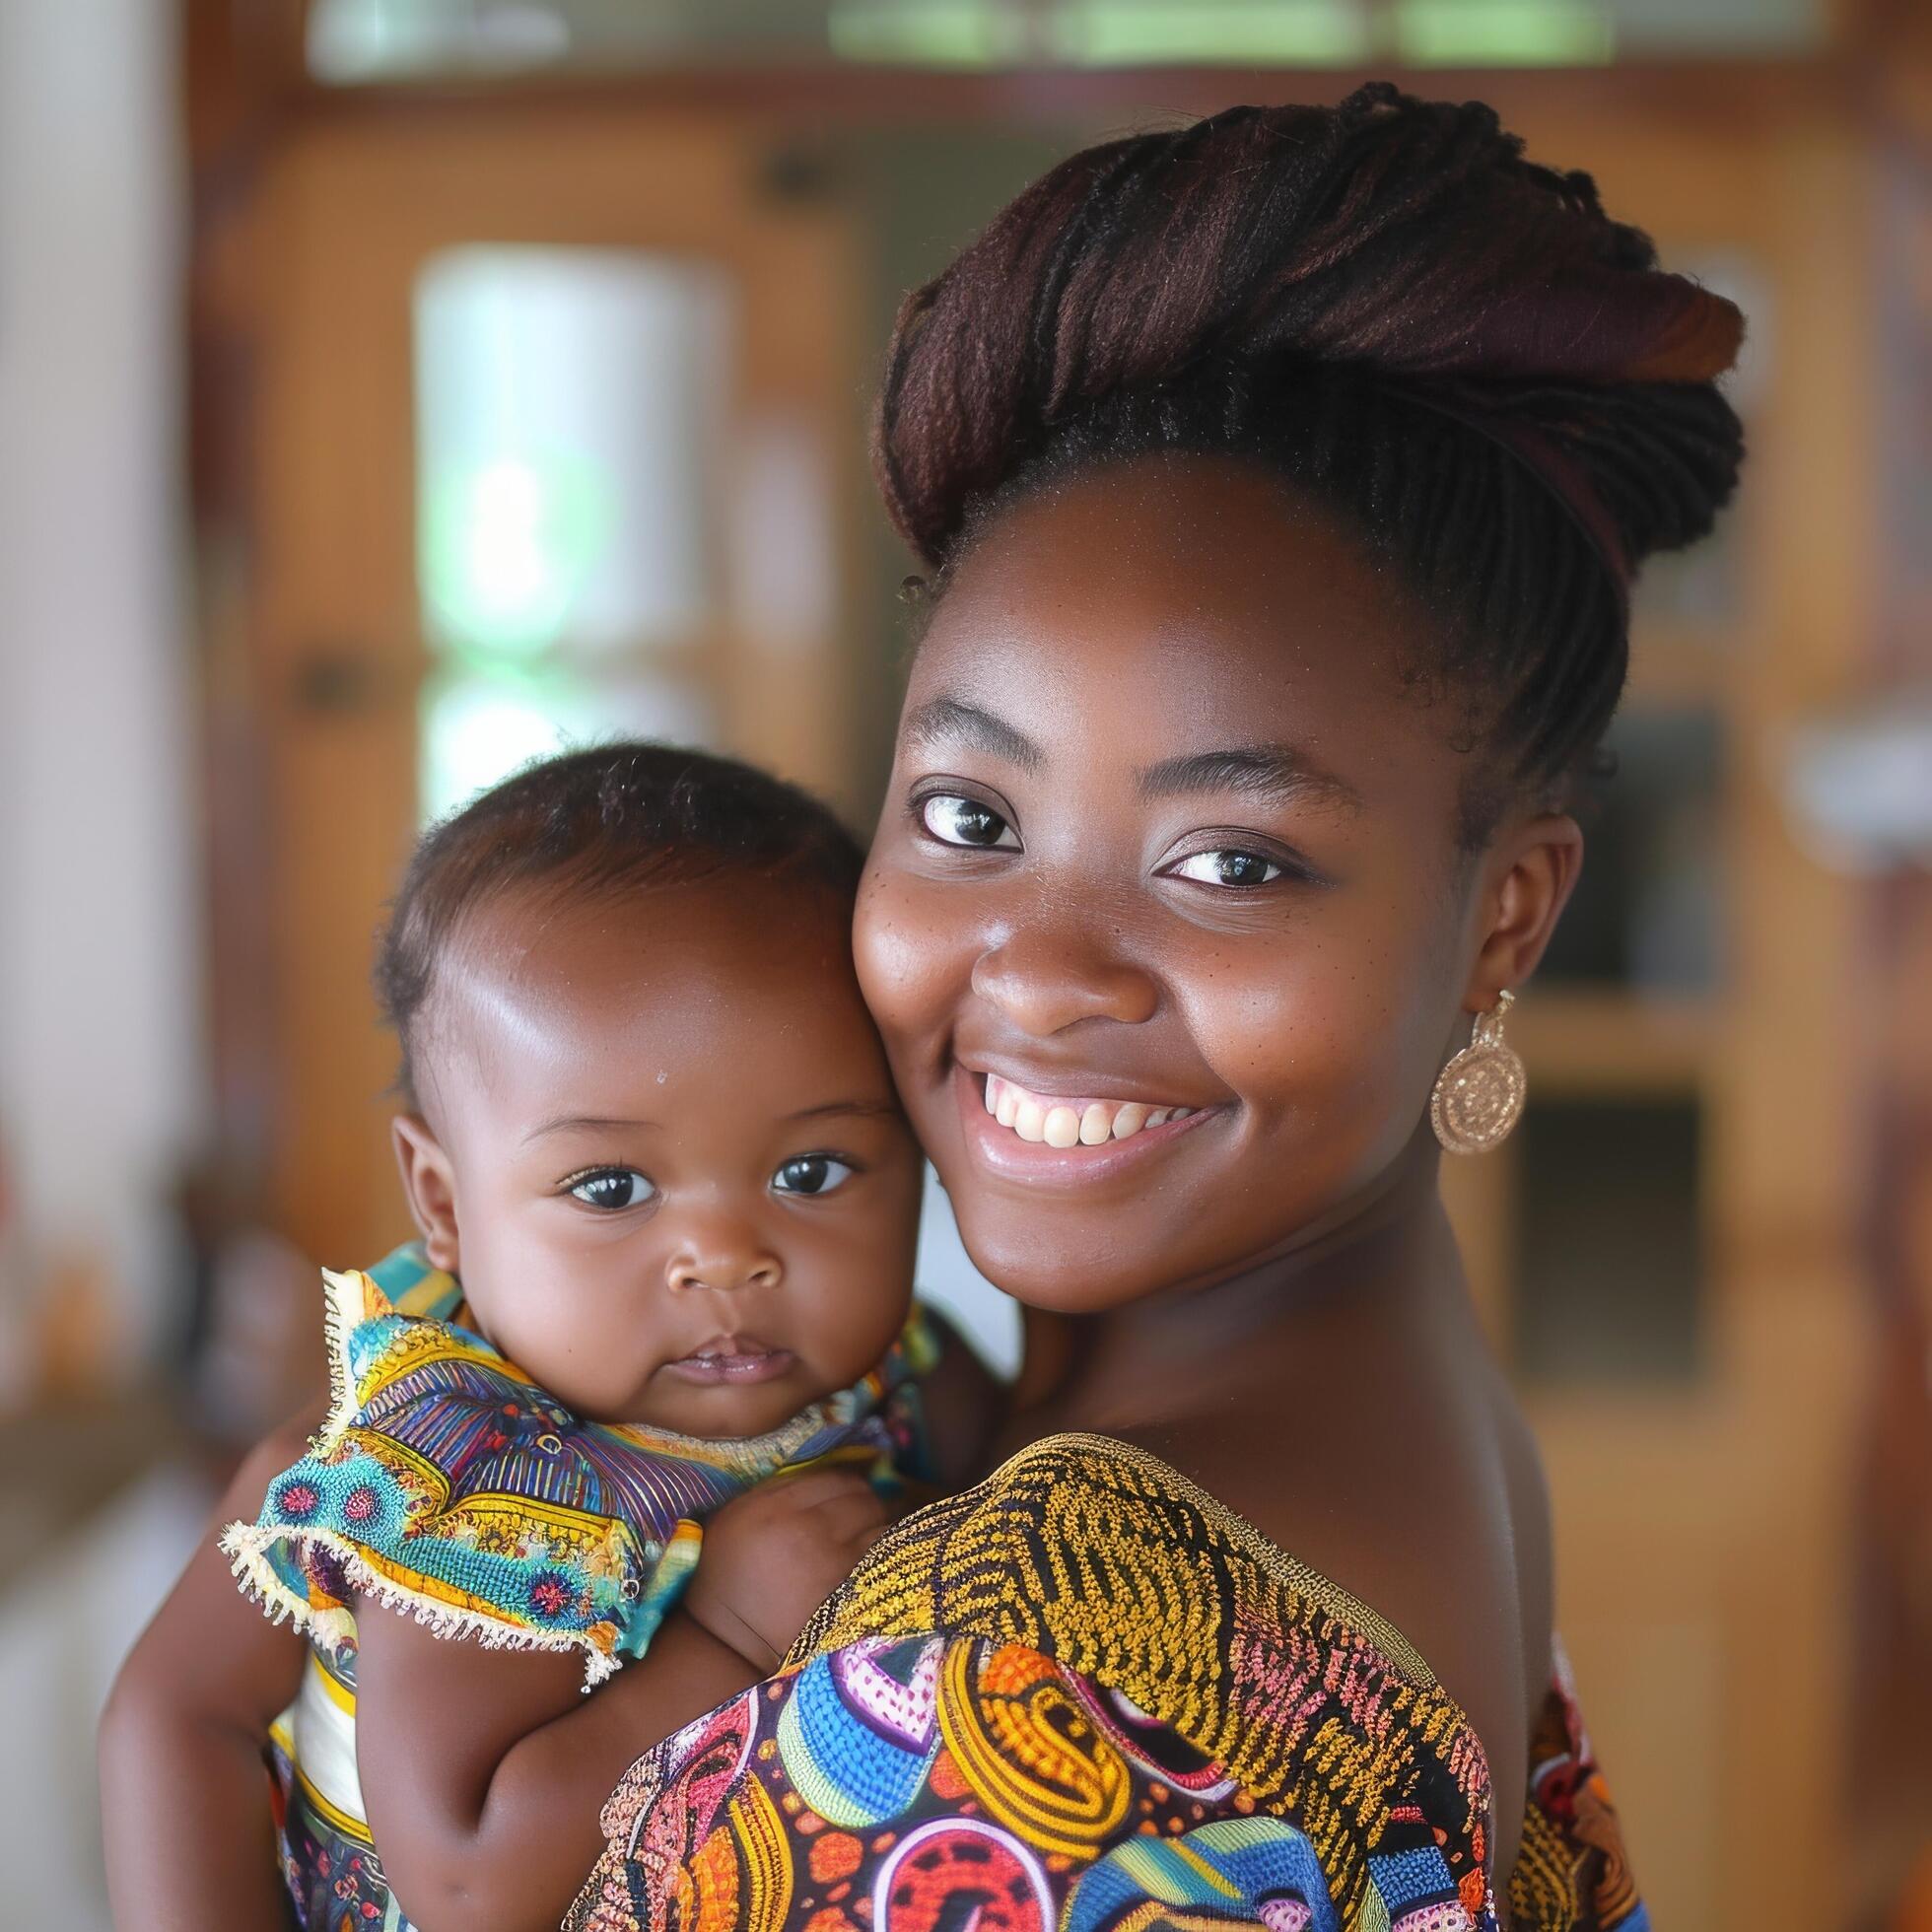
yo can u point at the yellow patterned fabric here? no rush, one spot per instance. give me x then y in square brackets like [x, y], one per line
[1095, 1700]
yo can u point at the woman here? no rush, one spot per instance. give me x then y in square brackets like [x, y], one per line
[1279, 483]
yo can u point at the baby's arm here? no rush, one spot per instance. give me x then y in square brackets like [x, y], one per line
[185, 1818]
[484, 1771]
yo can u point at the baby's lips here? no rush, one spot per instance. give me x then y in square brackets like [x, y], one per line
[727, 1346]
[732, 1359]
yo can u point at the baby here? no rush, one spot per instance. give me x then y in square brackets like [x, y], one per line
[668, 1205]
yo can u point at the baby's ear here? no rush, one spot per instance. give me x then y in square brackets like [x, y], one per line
[430, 1183]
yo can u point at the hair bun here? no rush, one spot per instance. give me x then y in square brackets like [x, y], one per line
[1396, 240]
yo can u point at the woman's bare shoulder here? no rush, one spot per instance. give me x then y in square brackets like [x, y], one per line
[1437, 1524]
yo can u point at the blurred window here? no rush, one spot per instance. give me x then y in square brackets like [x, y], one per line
[478, 729]
[353, 42]
[568, 413]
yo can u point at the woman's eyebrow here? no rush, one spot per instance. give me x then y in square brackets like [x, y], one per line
[953, 721]
[1275, 772]
[1278, 772]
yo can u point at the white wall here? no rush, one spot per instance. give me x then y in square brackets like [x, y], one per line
[100, 1061]
[946, 1276]
[64, 1629]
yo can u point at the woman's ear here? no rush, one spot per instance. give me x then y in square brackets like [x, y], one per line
[1528, 876]
[429, 1181]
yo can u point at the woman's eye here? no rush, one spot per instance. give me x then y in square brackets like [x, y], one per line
[811, 1174]
[1229, 867]
[957, 821]
[612, 1189]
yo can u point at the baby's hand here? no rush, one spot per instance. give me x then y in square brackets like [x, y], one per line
[773, 1555]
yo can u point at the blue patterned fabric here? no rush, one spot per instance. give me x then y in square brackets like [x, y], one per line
[448, 1483]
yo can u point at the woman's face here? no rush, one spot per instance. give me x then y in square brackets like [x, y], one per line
[1167, 869]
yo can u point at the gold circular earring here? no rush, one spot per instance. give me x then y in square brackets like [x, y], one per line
[1479, 1096]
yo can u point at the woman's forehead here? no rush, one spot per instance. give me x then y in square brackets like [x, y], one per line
[1212, 531]
[1153, 610]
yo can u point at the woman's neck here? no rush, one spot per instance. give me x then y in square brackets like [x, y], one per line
[1382, 1266]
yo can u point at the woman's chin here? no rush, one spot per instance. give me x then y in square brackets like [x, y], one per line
[1057, 1276]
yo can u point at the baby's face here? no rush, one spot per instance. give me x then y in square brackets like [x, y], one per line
[665, 1152]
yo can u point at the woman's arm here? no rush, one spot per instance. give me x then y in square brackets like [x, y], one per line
[484, 1771]
[185, 1817]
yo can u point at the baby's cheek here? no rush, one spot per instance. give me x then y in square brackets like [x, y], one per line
[594, 1358]
[847, 1299]
[860, 1325]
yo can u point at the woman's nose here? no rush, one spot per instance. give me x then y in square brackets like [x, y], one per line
[1046, 975]
[724, 1258]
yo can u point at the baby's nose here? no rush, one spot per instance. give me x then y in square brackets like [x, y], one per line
[724, 1263]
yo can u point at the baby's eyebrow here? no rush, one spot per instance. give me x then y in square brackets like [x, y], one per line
[868, 1109]
[581, 1123]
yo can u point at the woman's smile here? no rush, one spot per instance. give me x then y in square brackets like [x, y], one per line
[1063, 1121]
[1021, 1134]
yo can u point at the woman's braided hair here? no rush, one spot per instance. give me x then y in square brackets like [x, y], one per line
[1386, 302]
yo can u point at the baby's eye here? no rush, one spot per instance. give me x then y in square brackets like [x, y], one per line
[612, 1189]
[1227, 868]
[811, 1174]
[958, 821]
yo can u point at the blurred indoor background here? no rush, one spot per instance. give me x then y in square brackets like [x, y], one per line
[392, 389]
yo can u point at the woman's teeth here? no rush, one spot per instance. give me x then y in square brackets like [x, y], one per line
[1059, 1124]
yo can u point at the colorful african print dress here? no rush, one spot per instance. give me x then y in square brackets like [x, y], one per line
[1085, 1697]
[447, 1484]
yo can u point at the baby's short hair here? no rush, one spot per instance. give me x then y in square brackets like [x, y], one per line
[615, 817]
